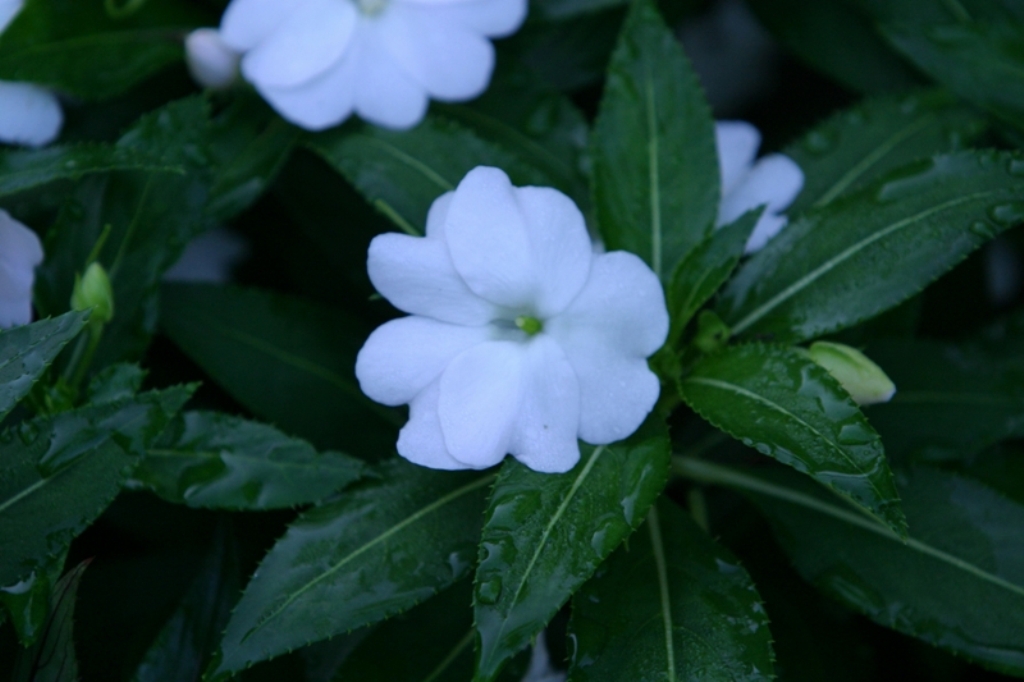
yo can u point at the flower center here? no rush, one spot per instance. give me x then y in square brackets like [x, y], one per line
[371, 8]
[531, 325]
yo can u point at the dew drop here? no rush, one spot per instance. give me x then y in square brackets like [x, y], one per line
[1008, 215]
[1015, 167]
[489, 591]
[983, 229]
[820, 141]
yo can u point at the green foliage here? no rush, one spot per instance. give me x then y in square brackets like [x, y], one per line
[544, 535]
[52, 658]
[670, 605]
[26, 352]
[656, 185]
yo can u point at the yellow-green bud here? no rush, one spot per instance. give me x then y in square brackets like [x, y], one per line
[712, 333]
[93, 291]
[865, 381]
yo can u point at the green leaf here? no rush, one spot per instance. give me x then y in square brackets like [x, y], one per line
[951, 402]
[217, 461]
[776, 400]
[545, 534]
[378, 550]
[28, 601]
[53, 659]
[707, 267]
[306, 356]
[859, 145]
[402, 173]
[60, 472]
[672, 605]
[151, 217]
[655, 181]
[957, 582]
[980, 61]
[26, 352]
[22, 169]
[866, 253]
[115, 382]
[182, 648]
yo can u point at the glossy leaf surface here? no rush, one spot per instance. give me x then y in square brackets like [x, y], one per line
[670, 605]
[868, 252]
[858, 146]
[305, 351]
[376, 551]
[26, 352]
[545, 534]
[655, 177]
[214, 460]
[52, 658]
[60, 472]
[776, 400]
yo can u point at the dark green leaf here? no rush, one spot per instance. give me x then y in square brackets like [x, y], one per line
[22, 169]
[402, 173]
[60, 472]
[53, 658]
[378, 550]
[776, 400]
[956, 583]
[305, 353]
[115, 382]
[184, 645]
[866, 253]
[859, 145]
[545, 534]
[151, 217]
[704, 269]
[217, 461]
[672, 605]
[28, 602]
[26, 352]
[656, 185]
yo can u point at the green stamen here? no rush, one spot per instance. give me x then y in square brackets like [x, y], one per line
[530, 325]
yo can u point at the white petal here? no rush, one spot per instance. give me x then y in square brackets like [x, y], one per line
[544, 435]
[30, 115]
[438, 214]
[775, 180]
[420, 441]
[323, 102]
[307, 43]
[19, 246]
[618, 320]
[403, 356]
[210, 61]
[492, 18]
[385, 94]
[767, 227]
[247, 22]
[20, 253]
[210, 257]
[737, 143]
[417, 276]
[450, 62]
[14, 311]
[481, 392]
[8, 10]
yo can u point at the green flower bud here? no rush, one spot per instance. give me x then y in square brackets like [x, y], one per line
[865, 381]
[93, 290]
[712, 333]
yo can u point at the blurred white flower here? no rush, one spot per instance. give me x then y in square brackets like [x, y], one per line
[29, 115]
[210, 257]
[318, 61]
[20, 253]
[521, 339]
[210, 61]
[774, 180]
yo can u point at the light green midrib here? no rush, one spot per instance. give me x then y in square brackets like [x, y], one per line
[29, 173]
[726, 386]
[415, 164]
[319, 463]
[398, 527]
[584, 473]
[707, 472]
[871, 159]
[456, 651]
[658, 551]
[844, 255]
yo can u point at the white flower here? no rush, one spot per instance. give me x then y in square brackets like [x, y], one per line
[20, 253]
[317, 61]
[520, 340]
[774, 180]
[210, 61]
[29, 115]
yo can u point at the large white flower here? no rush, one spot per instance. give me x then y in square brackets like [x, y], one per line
[774, 180]
[520, 340]
[29, 115]
[317, 61]
[20, 253]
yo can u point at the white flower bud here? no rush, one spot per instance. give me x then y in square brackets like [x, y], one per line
[865, 381]
[212, 63]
